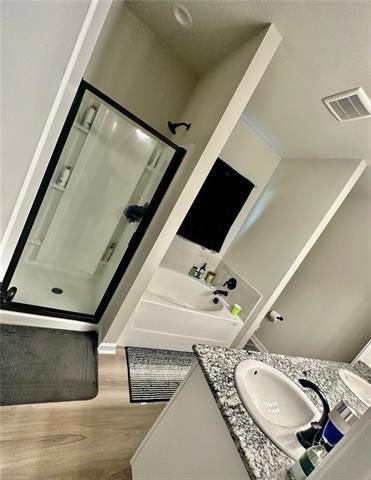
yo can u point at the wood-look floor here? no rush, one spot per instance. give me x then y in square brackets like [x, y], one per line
[85, 440]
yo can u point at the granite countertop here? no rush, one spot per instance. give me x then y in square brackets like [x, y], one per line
[262, 459]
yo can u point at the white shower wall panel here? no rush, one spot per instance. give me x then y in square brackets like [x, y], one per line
[102, 181]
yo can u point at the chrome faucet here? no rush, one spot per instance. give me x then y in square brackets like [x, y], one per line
[231, 283]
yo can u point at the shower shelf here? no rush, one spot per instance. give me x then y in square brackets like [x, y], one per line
[151, 169]
[58, 187]
[35, 241]
[81, 127]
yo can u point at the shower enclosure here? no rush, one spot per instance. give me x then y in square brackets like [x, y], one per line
[105, 180]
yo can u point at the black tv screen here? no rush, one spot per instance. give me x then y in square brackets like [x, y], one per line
[216, 206]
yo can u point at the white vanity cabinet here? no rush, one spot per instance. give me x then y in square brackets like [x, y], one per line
[189, 440]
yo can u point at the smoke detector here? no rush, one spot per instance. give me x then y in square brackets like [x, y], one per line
[349, 105]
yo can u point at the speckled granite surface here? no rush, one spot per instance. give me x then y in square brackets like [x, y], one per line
[262, 459]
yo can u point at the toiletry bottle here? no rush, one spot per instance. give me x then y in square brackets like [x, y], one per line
[235, 309]
[312, 457]
[341, 418]
[108, 253]
[201, 271]
[340, 421]
[193, 271]
[209, 277]
[64, 176]
[89, 116]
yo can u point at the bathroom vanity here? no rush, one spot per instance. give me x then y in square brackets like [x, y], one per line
[205, 431]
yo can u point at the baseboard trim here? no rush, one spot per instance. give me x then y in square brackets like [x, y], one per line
[107, 349]
[259, 344]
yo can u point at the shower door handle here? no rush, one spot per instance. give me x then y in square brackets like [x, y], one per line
[135, 213]
[139, 232]
[7, 297]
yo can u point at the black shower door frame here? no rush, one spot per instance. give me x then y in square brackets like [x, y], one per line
[135, 239]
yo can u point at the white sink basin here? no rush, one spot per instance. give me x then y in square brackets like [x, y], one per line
[357, 385]
[277, 405]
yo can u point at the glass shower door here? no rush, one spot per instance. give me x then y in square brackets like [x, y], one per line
[110, 172]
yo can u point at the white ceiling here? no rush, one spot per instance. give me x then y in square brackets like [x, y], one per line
[214, 34]
[326, 49]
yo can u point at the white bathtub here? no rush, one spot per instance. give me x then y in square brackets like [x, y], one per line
[177, 311]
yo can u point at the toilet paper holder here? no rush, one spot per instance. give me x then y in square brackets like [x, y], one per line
[275, 317]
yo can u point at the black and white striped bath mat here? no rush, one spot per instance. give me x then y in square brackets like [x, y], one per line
[155, 374]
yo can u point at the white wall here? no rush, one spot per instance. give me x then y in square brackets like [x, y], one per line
[37, 39]
[296, 205]
[249, 155]
[183, 254]
[295, 200]
[134, 67]
[214, 109]
[327, 303]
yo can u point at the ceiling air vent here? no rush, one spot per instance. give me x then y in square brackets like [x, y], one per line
[350, 105]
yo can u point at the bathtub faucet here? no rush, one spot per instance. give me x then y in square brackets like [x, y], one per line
[231, 283]
[220, 292]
